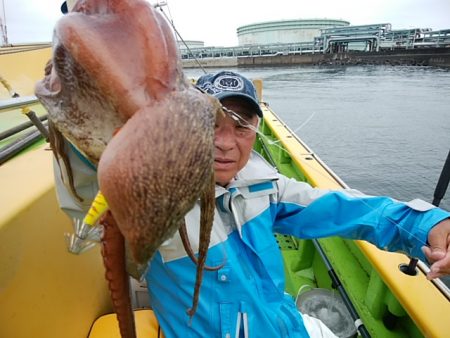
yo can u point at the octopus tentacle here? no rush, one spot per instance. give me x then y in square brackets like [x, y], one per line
[113, 252]
[187, 247]
[206, 223]
[57, 146]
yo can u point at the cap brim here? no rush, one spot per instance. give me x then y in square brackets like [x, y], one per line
[247, 98]
[64, 8]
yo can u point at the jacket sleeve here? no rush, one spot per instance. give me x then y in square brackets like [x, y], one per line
[391, 225]
[85, 183]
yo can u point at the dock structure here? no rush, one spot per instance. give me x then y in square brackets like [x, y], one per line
[250, 50]
[341, 39]
[440, 38]
[338, 39]
[405, 38]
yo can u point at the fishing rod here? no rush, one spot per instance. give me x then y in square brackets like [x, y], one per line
[14, 130]
[26, 110]
[442, 185]
[338, 285]
[17, 146]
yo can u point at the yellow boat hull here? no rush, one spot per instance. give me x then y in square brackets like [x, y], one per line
[47, 292]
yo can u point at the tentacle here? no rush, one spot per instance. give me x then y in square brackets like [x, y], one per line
[187, 247]
[206, 222]
[57, 146]
[113, 252]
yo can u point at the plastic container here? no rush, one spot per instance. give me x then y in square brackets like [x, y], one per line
[328, 306]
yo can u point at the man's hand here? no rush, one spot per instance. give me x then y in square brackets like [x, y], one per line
[438, 251]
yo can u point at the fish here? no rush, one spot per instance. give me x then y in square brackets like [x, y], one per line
[115, 90]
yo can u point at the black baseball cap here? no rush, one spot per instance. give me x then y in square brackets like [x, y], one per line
[226, 84]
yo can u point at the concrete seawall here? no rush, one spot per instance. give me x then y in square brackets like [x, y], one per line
[211, 62]
[437, 57]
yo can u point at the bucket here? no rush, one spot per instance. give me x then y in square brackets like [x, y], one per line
[328, 306]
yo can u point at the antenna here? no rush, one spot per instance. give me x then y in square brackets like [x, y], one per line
[3, 26]
[160, 4]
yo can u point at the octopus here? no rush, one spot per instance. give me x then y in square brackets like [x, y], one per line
[115, 89]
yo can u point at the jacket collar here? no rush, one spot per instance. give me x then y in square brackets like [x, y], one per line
[257, 170]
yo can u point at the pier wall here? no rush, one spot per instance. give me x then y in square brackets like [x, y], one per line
[437, 57]
[211, 62]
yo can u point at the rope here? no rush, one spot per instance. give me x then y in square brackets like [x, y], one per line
[181, 38]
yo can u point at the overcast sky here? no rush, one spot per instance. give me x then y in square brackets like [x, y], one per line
[215, 22]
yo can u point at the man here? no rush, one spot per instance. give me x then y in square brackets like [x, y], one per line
[245, 297]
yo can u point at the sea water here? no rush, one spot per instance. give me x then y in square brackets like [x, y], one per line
[385, 130]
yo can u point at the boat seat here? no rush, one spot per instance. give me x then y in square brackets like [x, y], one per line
[107, 326]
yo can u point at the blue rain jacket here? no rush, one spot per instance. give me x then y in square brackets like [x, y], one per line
[245, 297]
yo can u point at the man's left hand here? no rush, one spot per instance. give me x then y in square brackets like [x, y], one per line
[438, 251]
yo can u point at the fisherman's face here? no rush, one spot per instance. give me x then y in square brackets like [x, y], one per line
[233, 140]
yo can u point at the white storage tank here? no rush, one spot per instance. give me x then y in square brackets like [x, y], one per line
[285, 31]
[190, 44]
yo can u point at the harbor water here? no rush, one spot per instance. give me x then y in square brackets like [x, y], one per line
[385, 130]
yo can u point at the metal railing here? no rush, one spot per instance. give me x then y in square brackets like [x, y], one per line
[17, 103]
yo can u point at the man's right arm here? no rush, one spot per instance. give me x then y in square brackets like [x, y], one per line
[306, 212]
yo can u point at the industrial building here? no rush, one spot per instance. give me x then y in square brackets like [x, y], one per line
[311, 36]
[285, 31]
[187, 44]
